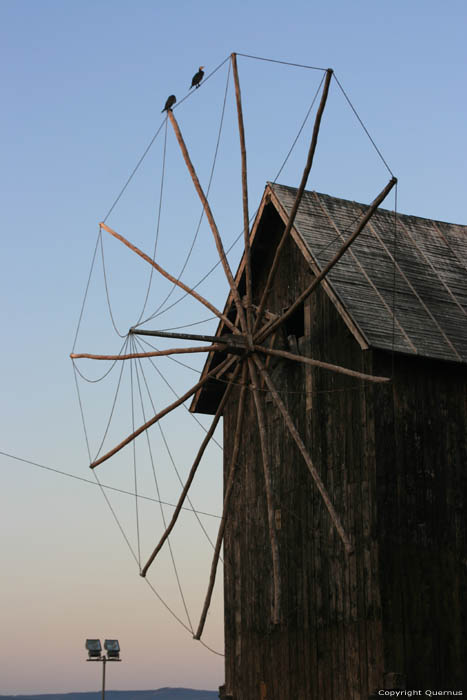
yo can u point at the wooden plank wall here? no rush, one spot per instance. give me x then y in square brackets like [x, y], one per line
[329, 643]
[421, 447]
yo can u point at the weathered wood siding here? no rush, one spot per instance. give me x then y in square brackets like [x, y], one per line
[421, 458]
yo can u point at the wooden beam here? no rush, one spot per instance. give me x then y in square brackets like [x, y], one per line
[212, 223]
[179, 336]
[170, 277]
[192, 474]
[276, 609]
[322, 365]
[298, 198]
[246, 216]
[155, 353]
[162, 413]
[225, 508]
[270, 327]
[308, 461]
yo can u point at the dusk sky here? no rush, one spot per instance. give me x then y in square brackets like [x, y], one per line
[83, 86]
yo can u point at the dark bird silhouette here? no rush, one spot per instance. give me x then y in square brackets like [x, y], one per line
[197, 78]
[171, 100]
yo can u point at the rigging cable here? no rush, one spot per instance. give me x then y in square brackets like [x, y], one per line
[151, 274]
[86, 292]
[112, 410]
[99, 379]
[188, 325]
[133, 173]
[285, 63]
[122, 335]
[168, 357]
[301, 129]
[138, 538]
[218, 653]
[363, 125]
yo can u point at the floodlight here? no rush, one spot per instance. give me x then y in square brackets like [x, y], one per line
[113, 648]
[94, 648]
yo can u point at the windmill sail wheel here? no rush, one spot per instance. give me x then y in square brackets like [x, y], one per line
[250, 335]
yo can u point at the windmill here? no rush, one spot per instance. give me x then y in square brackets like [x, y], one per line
[238, 356]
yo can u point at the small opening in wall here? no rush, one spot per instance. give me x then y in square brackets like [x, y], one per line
[295, 324]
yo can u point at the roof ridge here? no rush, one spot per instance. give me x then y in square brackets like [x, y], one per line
[363, 204]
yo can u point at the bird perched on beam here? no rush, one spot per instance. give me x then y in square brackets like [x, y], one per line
[197, 78]
[171, 100]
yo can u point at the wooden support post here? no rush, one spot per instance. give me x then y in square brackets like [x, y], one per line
[323, 365]
[276, 611]
[192, 473]
[155, 353]
[298, 198]
[269, 328]
[271, 340]
[212, 223]
[246, 216]
[301, 446]
[210, 375]
[225, 509]
[170, 277]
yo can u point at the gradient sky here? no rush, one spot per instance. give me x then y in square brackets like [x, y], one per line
[83, 84]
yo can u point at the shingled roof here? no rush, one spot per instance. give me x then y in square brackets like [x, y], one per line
[398, 288]
[405, 291]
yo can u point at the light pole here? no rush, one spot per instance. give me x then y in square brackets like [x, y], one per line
[94, 648]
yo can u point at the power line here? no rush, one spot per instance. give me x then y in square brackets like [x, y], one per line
[105, 486]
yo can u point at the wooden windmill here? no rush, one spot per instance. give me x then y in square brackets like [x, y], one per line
[286, 526]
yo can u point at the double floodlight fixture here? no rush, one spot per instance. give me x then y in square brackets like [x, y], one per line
[94, 647]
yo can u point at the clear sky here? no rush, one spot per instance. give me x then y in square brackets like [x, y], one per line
[83, 85]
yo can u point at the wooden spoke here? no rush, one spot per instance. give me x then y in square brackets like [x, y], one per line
[192, 473]
[162, 413]
[155, 353]
[323, 365]
[269, 498]
[212, 223]
[298, 198]
[170, 277]
[270, 327]
[246, 216]
[179, 336]
[301, 446]
[225, 508]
